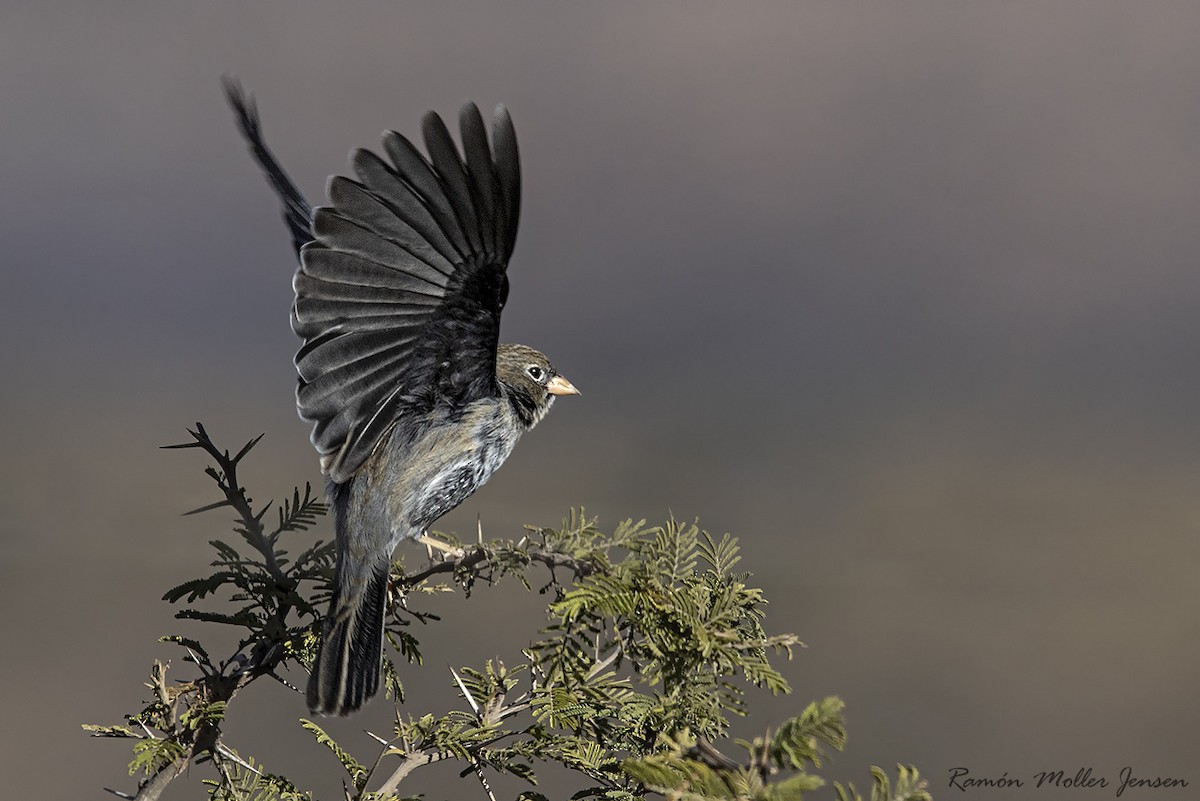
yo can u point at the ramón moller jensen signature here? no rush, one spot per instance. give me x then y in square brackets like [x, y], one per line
[1084, 778]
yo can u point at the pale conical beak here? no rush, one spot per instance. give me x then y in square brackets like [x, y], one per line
[561, 386]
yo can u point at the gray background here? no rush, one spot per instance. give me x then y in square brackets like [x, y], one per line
[902, 294]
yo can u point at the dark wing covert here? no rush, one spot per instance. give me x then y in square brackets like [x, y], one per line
[398, 299]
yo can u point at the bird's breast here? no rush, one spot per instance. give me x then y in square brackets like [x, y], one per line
[432, 471]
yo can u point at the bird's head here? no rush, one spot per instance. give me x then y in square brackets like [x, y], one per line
[530, 381]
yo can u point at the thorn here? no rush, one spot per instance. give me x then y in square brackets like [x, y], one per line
[450, 551]
[208, 507]
[285, 682]
[119, 794]
[246, 449]
[600, 665]
[228, 754]
[197, 662]
[377, 738]
[466, 692]
[479, 527]
[483, 781]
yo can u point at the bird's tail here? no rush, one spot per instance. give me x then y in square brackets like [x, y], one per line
[346, 673]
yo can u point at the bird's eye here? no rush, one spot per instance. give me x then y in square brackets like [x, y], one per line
[535, 372]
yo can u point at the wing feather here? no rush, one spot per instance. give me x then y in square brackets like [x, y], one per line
[328, 393]
[297, 214]
[316, 289]
[348, 236]
[324, 312]
[425, 184]
[405, 202]
[399, 297]
[449, 167]
[349, 268]
[343, 349]
[401, 280]
[507, 161]
[372, 213]
[482, 173]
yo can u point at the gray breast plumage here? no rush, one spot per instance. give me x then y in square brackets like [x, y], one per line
[416, 476]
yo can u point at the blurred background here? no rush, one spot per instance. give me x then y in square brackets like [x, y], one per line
[903, 295]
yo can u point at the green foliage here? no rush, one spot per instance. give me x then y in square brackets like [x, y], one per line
[152, 755]
[797, 743]
[243, 780]
[650, 640]
[357, 772]
[909, 787]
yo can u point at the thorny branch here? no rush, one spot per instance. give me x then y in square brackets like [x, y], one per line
[494, 712]
[250, 524]
[474, 562]
[266, 655]
[182, 724]
[214, 685]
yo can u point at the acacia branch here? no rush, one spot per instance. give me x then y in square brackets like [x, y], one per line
[408, 764]
[493, 714]
[477, 559]
[226, 477]
[185, 718]
[265, 655]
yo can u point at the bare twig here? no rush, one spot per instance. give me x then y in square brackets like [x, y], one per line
[235, 497]
[213, 685]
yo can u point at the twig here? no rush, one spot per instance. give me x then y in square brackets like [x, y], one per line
[264, 658]
[480, 555]
[156, 784]
[407, 765]
[705, 752]
[235, 497]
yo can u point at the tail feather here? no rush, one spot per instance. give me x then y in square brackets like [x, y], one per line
[346, 673]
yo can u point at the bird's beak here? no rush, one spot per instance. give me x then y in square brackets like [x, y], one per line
[561, 386]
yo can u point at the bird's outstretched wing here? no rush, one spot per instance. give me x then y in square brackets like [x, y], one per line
[297, 214]
[401, 279]
[398, 299]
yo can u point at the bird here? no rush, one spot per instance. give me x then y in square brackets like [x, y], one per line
[401, 281]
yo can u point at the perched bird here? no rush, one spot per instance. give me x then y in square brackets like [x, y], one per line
[414, 403]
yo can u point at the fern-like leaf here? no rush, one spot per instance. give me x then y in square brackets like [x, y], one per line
[357, 772]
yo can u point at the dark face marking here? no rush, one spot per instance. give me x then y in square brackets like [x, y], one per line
[523, 373]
